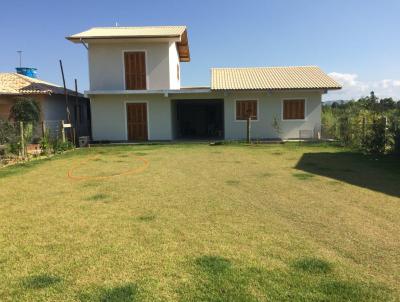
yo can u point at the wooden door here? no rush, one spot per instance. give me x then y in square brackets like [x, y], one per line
[137, 121]
[135, 70]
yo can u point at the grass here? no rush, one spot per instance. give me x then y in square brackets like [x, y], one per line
[222, 223]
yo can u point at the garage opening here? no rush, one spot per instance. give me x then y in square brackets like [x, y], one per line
[198, 119]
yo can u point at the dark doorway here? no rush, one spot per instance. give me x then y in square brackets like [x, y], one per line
[199, 119]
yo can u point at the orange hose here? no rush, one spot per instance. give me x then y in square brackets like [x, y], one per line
[128, 172]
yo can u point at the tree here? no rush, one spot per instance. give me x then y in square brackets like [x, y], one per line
[25, 110]
[387, 104]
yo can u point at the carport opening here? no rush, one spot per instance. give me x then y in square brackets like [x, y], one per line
[199, 119]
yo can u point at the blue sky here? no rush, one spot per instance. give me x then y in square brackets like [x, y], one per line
[356, 41]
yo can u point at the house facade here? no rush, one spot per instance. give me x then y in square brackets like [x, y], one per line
[51, 100]
[136, 93]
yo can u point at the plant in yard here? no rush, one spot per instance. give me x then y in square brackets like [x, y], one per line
[25, 110]
[45, 145]
[8, 132]
[59, 146]
[374, 140]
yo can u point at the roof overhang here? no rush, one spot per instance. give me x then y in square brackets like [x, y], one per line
[181, 40]
[144, 92]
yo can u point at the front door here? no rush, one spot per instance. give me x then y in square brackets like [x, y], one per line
[137, 121]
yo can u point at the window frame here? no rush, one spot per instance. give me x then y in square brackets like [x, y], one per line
[246, 99]
[294, 99]
[146, 63]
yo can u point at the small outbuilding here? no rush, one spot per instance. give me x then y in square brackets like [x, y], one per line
[50, 98]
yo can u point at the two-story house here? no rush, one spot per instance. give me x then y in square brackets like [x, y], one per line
[136, 94]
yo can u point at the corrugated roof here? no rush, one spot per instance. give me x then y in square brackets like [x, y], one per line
[18, 84]
[130, 32]
[118, 32]
[271, 78]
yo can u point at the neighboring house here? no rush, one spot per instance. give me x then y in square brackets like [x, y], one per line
[50, 97]
[136, 94]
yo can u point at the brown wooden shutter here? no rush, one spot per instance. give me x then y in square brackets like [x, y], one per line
[245, 108]
[293, 109]
[135, 70]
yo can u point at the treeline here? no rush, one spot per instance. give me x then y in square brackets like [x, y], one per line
[370, 124]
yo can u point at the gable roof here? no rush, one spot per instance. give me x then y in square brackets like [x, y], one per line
[17, 84]
[271, 78]
[141, 32]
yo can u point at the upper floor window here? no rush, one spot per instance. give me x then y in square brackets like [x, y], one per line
[246, 109]
[177, 71]
[135, 70]
[294, 109]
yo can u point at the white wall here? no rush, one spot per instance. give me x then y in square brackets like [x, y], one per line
[106, 64]
[270, 106]
[109, 114]
[174, 80]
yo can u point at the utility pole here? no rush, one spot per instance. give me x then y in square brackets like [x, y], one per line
[65, 94]
[20, 57]
[77, 106]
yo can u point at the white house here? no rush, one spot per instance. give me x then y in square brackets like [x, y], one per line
[135, 91]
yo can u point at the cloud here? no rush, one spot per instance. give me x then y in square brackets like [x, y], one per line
[353, 88]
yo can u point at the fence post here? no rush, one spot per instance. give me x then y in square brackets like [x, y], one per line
[43, 129]
[62, 131]
[21, 133]
[248, 129]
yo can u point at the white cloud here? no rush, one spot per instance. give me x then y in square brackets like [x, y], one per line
[353, 88]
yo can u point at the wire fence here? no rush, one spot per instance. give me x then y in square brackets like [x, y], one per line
[21, 140]
[372, 134]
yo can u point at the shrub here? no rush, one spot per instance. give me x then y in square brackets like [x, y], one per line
[25, 110]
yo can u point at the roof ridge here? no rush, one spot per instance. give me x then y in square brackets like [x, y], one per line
[130, 27]
[264, 67]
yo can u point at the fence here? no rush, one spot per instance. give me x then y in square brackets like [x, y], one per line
[375, 133]
[23, 139]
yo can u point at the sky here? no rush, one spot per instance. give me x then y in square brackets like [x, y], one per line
[356, 42]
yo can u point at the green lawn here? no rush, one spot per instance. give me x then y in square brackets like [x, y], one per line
[202, 223]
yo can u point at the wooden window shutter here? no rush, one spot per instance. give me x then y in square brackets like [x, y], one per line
[294, 109]
[135, 70]
[246, 108]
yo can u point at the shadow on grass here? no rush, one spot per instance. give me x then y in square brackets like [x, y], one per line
[303, 176]
[312, 265]
[148, 217]
[40, 281]
[232, 182]
[381, 174]
[308, 279]
[98, 197]
[123, 293]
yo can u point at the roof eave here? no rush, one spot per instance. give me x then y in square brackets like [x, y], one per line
[275, 89]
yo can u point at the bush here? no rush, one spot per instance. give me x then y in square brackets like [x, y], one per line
[374, 140]
[368, 124]
[25, 110]
[59, 146]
